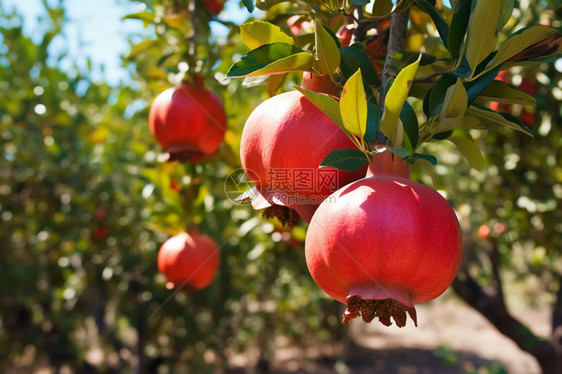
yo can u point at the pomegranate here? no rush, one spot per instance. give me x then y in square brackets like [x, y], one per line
[484, 231]
[283, 143]
[382, 244]
[190, 261]
[215, 6]
[320, 83]
[188, 121]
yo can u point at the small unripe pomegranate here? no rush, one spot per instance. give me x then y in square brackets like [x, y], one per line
[188, 121]
[189, 261]
[283, 143]
[381, 245]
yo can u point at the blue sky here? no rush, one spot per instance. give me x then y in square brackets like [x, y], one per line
[96, 29]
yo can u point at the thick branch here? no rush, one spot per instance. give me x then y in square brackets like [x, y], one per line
[491, 307]
[396, 42]
[557, 310]
[494, 256]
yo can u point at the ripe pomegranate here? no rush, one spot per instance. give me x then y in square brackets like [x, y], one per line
[382, 244]
[188, 121]
[215, 6]
[283, 143]
[190, 261]
[320, 83]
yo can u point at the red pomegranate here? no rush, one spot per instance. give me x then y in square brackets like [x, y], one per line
[381, 245]
[215, 6]
[188, 121]
[283, 143]
[320, 83]
[190, 261]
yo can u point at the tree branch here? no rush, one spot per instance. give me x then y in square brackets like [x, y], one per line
[396, 42]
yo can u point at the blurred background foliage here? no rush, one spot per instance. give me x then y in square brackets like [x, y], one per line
[86, 200]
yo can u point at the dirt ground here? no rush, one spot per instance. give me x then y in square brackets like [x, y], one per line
[451, 338]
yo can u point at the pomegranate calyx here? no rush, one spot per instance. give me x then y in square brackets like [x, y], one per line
[184, 153]
[383, 309]
[287, 216]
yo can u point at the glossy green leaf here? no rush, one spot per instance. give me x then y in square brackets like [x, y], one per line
[276, 58]
[373, 121]
[476, 87]
[425, 162]
[325, 103]
[469, 150]
[438, 92]
[353, 59]
[395, 98]
[454, 107]
[353, 105]
[256, 34]
[459, 24]
[482, 36]
[505, 93]
[249, 4]
[327, 52]
[409, 120]
[489, 116]
[361, 2]
[440, 24]
[506, 8]
[520, 41]
[347, 159]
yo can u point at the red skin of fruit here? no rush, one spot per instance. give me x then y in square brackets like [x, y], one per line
[320, 83]
[215, 7]
[189, 261]
[384, 237]
[287, 133]
[188, 119]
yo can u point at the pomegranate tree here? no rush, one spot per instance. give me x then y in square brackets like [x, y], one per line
[188, 121]
[384, 243]
[283, 143]
[189, 261]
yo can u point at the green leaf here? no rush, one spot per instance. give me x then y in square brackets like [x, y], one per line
[454, 107]
[409, 57]
[482, 37]
[361, 2]
[438, 92]
[399, 151]
[459, 23]
[519, 41]
[274, 83]
[353, 105]
[476, 87]
[505, 93]
[327, 52]
[276, 58]
[256, 34]
[409, 120]
[373, 122]
[427, 163]
[469, 150]
[506, 8]
[347, 159]
[141, 47]
[353, 59]
[146, 17]
[249, 4]
[325, 103]
[440, 23]
[382, 8]
[489, 116]
[395, 98]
